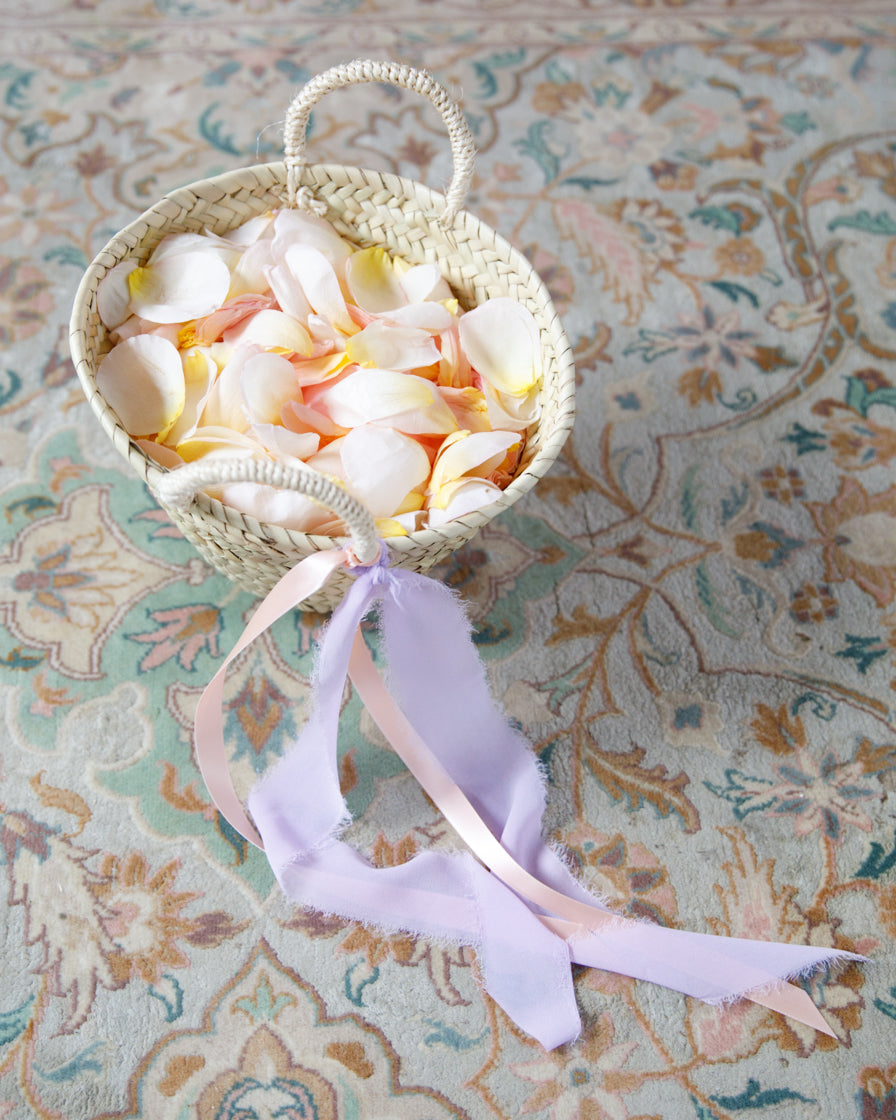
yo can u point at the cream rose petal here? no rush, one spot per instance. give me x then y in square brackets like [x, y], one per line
[267, 382]
[200, 372]
[281, 441]
[179, 287]
[391, 347]
[210, 439]
[382, 466]
[142, 380]
[500, 339]
[425, 316]
[424, 282]
[113, 296]
[470, 453]
[288, 293]
[224, 406]
[373, 282]
[279, 507]
[298, 227]
[318, 280]
[462, 497]
[302, 418]
[272, 330]
[408, 403]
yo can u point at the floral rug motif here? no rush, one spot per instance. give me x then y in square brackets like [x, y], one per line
[692, 617]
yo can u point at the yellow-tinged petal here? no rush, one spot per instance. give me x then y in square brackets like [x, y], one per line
[272, 330]
[460, 497]
[142, 380]
[382, 466]
[224, 406]
[468, 454]
[268, 381]
[405, 402]
[318, 280]
[179, 287]
[469, 406]
[113, 296]
[200, 372]
[514, 413]
[390, 347]
[213, 438]
[389, 527]
[373, 282]
[500, 339]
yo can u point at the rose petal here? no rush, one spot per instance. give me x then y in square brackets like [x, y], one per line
[177, 244]
[288, 292]
[298, 227]
[272, 330]
[267, 382]
[382, 466]
[113, 296]
[423, 282]
[211, 328]
[408, 403]
[249, 276]
[462, 497]
[287, 508]
[469, 406]
[513, 413]
[425, 316]
[391, 347]
[317, 278]
[280, 441]
[142, 380]
[251, 231]
[179, 287]
[159, 453]
[212, 438]
[470, 453]
[200, 371]
[500, 339]
[301, 418]
[372, 281]
[224, 406]
[454, 368]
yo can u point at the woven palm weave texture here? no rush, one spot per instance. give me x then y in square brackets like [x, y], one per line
[692, 616]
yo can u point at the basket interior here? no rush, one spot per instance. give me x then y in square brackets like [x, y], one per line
[367, 208]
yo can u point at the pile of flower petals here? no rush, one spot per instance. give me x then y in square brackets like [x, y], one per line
[283, 340]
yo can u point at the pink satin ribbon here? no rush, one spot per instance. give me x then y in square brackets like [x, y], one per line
[516, 902]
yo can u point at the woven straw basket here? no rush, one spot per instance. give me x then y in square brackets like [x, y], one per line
[367, 208]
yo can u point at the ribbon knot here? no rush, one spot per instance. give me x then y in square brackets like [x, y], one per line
[516, 901]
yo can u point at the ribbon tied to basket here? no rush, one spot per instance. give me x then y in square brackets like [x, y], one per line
[511, 896]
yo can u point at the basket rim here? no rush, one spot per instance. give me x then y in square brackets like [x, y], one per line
[270, 178]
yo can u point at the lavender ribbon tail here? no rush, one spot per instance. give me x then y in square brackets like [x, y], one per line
[439, 683]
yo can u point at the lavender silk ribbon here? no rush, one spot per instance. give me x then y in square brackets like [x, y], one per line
[520, 907]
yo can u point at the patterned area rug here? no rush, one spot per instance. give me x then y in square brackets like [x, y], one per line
[693, 617]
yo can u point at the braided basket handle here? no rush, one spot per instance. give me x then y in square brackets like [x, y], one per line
[363, 70]
[177, 489]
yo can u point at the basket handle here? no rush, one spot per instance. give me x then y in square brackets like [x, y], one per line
[177, 489]
[364, 70]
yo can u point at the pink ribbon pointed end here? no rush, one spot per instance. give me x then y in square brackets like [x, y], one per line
[795, 1004]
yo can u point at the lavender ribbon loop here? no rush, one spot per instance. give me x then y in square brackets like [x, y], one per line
[490, 771]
